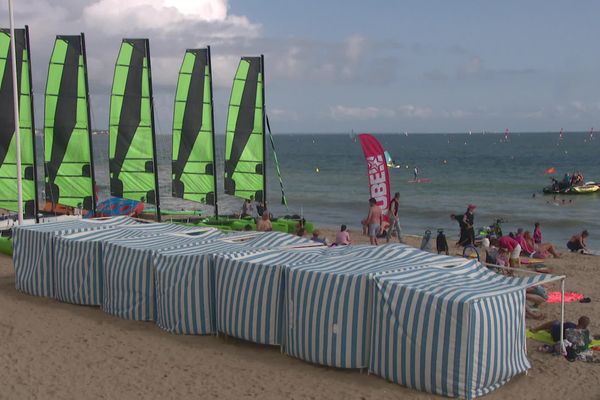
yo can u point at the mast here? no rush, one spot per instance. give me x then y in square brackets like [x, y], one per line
[262, 73]
[89, 124]
[35, 177]
[212, 116]
[13, 60]
[154, 160]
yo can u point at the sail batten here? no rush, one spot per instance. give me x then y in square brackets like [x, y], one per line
[245, 136]
[132, 147]
[193, 160]
[67, 128]
[8, 162]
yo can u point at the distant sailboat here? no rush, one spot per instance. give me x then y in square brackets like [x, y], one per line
[561, 136]
[592, 133]
[506, 135]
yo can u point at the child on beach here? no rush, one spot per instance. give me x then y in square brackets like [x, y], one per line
[264, 223]
[342, 238]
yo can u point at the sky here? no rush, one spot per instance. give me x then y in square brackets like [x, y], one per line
[338, 66]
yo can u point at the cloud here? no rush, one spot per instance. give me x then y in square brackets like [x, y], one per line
[361, 113]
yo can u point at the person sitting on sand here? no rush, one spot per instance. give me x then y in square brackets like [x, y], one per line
[554, 327]
[374, 220]
[315, 237]
[541, 249]
[342, 238]
[264, 223]
[577, 242]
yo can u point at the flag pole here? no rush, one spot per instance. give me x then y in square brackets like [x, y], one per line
[13, 59]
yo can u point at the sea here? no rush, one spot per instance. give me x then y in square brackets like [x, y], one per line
[325, 180]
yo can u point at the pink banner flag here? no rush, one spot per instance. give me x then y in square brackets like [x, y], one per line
[379, 182]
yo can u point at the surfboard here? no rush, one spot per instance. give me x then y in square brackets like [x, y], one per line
[420, 180]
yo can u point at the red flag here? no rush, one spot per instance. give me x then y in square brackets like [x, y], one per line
[379, 179]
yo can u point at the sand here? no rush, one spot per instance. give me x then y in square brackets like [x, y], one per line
[52, 350]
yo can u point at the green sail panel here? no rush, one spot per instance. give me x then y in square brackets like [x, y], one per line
[8, 157]
[133, 172]
[193, 160]
[245, 135]
[67, 132]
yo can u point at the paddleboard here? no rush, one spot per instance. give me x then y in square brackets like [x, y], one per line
[527, 260]
[420, 180]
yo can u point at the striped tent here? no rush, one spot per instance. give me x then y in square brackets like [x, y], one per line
[128, 272]
[185, 288]
[251, 288]
[329, 303]
[457, 332]
[78, 271]
[33, 250]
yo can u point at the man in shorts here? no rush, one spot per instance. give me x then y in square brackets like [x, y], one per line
[374, 221]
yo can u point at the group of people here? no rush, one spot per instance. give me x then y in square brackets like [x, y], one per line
[569, 180]
[383, 223]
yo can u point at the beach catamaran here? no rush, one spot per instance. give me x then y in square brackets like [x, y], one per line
[13, 178]
[68, 163]
[245, 142]
[132, 141]
[193, 153]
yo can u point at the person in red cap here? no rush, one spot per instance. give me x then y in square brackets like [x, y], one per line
[469, 221]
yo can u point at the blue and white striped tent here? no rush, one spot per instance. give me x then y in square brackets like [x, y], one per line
[250, 294]
[78, 272]
[33, 250]
[185, 287]
[329, 303]
[128, 272]
[458, 332]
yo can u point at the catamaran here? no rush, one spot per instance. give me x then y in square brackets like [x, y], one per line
[68, 153]
[194, 175]
[9, 201]
[132, 141]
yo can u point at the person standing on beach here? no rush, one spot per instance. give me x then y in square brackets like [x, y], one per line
[264, 223]
[374, 221]
[469, 222]
[416, 173]
[394, 218]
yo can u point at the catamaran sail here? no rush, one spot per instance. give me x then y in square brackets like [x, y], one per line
[67, 129]
[132, 143]
[193, 175]
[8, 163]
[245, 137]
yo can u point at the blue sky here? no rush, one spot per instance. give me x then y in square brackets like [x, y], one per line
[379, 66]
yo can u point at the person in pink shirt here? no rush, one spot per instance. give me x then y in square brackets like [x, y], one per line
[512, 247]
[538, 242]
[342, 238]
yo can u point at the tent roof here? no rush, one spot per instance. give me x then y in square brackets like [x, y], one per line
[466, 282]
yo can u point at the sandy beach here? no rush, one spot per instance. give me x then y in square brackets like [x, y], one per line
[52, 350]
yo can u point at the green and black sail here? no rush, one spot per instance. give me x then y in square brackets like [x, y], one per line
[193, 156]
[132, 143]
[245, 137]
[67, 127]
[8, 156]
